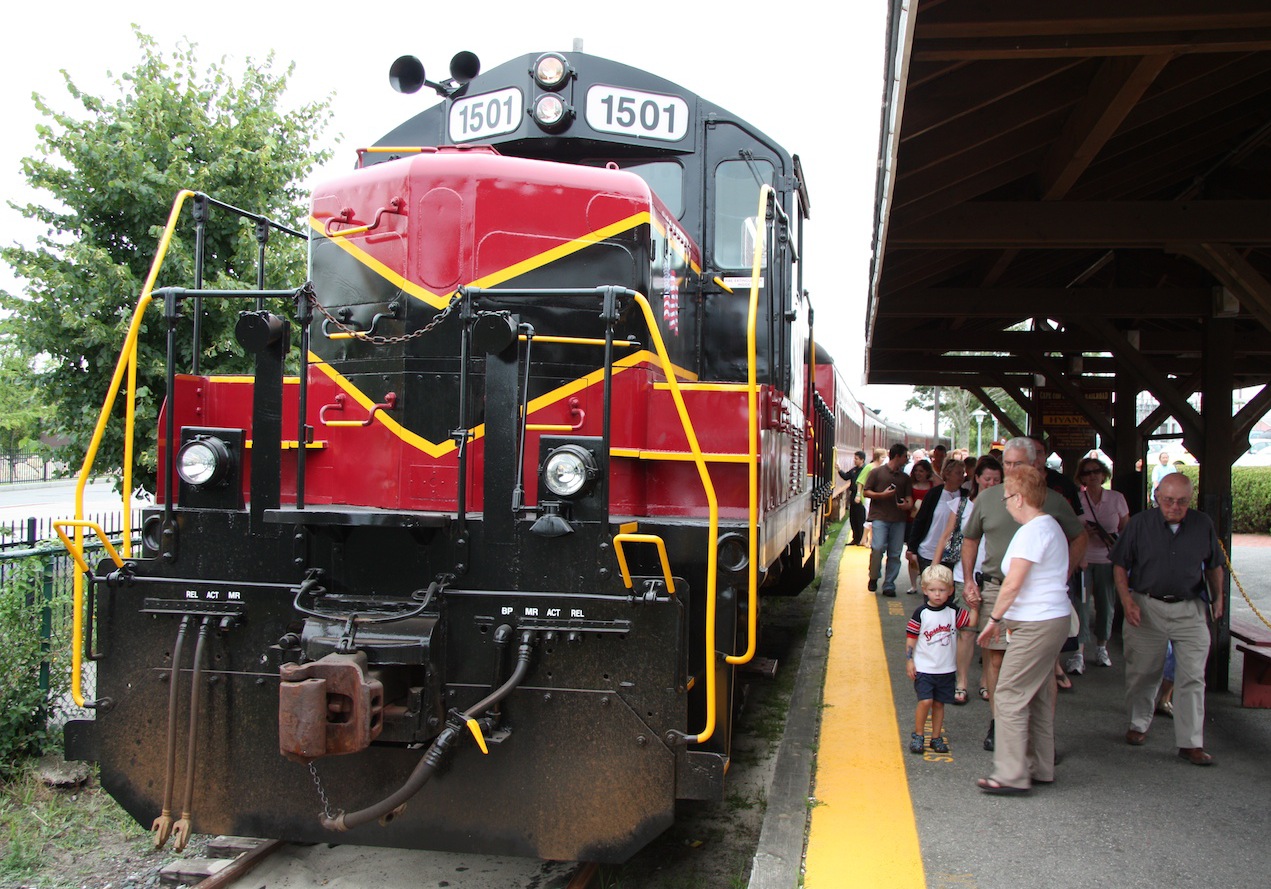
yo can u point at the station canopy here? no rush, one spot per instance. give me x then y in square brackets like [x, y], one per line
[1072, 191]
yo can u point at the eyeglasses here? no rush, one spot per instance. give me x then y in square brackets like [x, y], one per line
[1173, 501]
[1010, 497]
[1091, 471]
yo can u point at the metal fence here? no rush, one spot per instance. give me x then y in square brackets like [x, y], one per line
[50, 609]
[25, 467]
[32, 532]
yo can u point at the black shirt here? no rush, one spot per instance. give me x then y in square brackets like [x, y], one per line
[1162, 562]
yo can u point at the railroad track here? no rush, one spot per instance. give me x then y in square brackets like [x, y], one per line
[244, 863]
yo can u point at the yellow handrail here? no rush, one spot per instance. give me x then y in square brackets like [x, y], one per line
[77, 552]
[766, 193]
[713, 533]
[127, 364]
[619, 539]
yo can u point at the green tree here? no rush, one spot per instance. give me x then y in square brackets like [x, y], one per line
[956, 412]
[21, 414]
[111, 176]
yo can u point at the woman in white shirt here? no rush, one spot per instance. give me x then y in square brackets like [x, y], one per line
[1033, 608]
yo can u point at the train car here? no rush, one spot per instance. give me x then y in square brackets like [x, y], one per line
[480, 575]
[856, 427]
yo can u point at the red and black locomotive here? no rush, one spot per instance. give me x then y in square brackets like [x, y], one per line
[485, 568]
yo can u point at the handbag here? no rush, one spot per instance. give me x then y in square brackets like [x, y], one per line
[953, 549]
[1106, 537]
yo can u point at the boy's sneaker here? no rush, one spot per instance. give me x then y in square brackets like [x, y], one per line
[916, 741]
[1075, 664]
[1101, 657]
[939, 744]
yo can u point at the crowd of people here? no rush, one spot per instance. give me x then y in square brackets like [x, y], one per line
[1026, 566]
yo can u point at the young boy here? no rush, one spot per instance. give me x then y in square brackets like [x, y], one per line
[931, 646]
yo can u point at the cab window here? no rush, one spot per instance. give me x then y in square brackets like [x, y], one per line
[737, 184]
[665, 179]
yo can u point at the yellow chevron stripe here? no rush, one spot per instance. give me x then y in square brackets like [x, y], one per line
[438, 301]
[441, 449]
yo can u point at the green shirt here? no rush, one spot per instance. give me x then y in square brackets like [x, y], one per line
[994, 527]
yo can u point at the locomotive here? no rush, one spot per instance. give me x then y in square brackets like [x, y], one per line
[481, 575]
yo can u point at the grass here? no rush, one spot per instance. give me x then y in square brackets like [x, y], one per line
[53, 838]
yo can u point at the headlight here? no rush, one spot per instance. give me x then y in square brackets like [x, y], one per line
[203, 461]
[569, 471]
[550, 111]
[551, 71]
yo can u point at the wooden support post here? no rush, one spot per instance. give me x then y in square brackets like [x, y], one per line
[1127, 447]
[1215, 472]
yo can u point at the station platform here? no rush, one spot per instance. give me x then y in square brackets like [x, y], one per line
[871, 814]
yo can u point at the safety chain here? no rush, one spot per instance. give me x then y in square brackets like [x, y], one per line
[386, 340]
[322, 794]
[1240, 586]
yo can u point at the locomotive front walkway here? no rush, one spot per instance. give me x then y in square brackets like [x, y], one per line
[1116, 815]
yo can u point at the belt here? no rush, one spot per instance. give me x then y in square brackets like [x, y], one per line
[1165, 598]
[982, 579]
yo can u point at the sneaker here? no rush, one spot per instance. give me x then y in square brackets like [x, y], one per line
[939, 744]
[890, 593]
[911, 592]
[873, 584]
[990, 740]
[1076, 663]
[1101, 657]
[916, 741]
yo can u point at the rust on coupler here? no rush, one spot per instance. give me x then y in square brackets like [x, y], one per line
[328, 707]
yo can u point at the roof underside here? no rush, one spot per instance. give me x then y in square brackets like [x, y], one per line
[1075, 178]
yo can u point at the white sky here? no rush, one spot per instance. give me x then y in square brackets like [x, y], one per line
[816, 89]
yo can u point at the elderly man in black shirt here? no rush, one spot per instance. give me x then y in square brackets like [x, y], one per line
[1168, 570]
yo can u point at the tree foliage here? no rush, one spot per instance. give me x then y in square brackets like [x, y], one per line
[21, 413]
[111, 175]
[957, 407]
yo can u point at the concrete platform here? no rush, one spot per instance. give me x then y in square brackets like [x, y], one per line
[1116, 815]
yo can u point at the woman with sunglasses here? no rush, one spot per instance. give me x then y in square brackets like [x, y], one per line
[1106, 513]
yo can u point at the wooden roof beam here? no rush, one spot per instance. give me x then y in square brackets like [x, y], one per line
[1116, 89]
[1003, 302]
[992, 407]
[1237, 275]
[1087, 224]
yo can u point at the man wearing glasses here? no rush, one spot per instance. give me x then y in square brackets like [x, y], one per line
[1167, 565]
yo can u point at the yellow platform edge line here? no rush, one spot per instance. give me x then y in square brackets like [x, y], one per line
[863, 830]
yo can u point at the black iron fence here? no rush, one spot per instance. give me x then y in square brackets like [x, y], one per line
[25, 467]
[32, 532]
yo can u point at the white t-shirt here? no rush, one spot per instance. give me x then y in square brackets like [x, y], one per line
[927, 549]
[1044, 594]
[935, 636]
[941, 519]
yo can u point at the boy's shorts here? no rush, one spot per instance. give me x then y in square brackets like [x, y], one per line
[938, 687]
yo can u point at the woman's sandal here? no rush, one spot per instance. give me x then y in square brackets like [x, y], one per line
[1064, 683]
[988, 785]
[959, 696]
[984, 693]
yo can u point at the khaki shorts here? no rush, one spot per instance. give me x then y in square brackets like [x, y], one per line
[988, 593]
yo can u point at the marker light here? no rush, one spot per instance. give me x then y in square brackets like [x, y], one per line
[203, 461]
[551, 71]
[570, 471]
[550, 111]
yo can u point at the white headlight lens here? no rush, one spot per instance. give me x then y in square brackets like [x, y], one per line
[568, 470]
[549, 110]
[550, 71]
[202, 461]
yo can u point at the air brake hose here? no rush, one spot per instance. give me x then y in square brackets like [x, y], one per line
[162, 826]
[440, 749]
